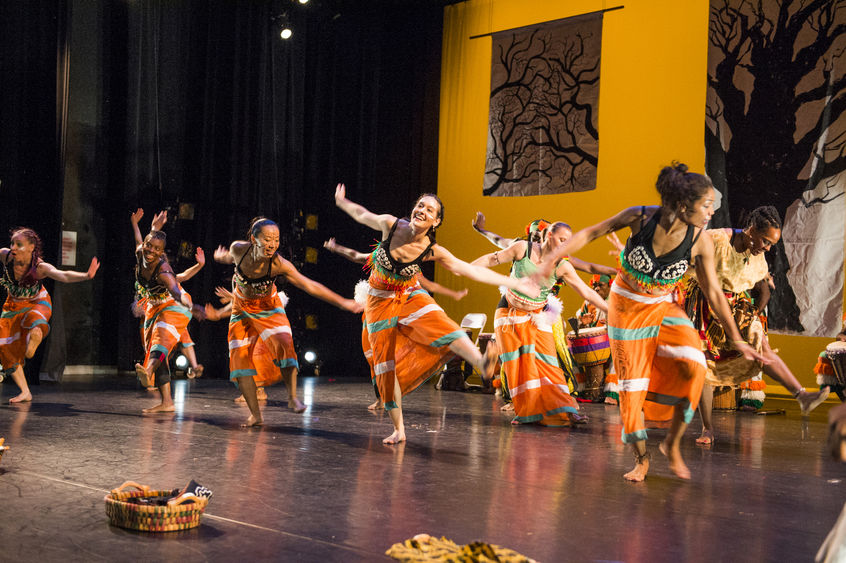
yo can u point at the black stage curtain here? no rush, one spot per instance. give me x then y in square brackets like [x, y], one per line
[201, 103]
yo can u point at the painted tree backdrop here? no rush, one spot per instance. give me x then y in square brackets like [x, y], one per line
[776, 135]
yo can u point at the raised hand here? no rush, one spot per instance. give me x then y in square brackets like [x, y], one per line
[159, 220]
[221, 254]
[200, 256]
[92, 269]
[615, 242]
[353, 306]
[330, 245]
[185, 299]
[528, 286]
[479, 221]
[340, 194]
[459, 295]
[136, 217]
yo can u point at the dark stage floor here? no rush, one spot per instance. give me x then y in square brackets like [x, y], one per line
[322, 487]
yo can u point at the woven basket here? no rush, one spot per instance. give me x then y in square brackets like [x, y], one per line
[179, 514]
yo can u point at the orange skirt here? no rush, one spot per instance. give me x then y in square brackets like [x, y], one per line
[657, 355]
[409, 337]
[19, 317]
[164, 324]
[536, 382]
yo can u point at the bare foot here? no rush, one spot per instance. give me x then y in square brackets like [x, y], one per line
[507, 407]
[240, 399]
[491, 356]
[143, 376]
[707, 438]
[677, 464]
[161, 408]
[375, 406]
[298, 407]
[610, 401]
[252, 421]
[395, 438]
[195, 372]
[261, 394]
[579, 418]
[33, 339]
[808, 401]
[22, 398]
[639, 472]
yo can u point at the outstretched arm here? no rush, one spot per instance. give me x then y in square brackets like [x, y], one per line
[480, 274]
[479, 227]
[168, 278]
[591, 268]
[45, 270]
[227, 256]
[566, 271]
[200, 257]
[316, 289]
[134, 219]
[434, 287]
[359, 213]
[511, 253]
[348, 253]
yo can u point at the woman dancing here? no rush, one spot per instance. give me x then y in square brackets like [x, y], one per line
[139, 306]
[166, 314]
[258, 311]
[740, 265]
[410, 335]
[361, 258]
[28, 307]
[655, 347]
[523, 326]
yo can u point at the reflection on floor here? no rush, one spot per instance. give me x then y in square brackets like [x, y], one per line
[322, 487]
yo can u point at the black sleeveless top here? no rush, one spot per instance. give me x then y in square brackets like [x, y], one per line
[383, 259]
[638, 258]
[152, 288]
[259, 286]
[14, 286]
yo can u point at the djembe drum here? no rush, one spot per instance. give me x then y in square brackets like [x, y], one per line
[836, 352]
[591, 349]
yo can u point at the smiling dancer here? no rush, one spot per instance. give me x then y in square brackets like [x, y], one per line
[166, 314]
[523, 326]
[361, 258]
[655, 347]
[401, 316]
[28, 307]
[740, 265]
[258, 311]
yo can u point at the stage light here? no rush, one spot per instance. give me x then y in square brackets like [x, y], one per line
[181, 362]
[303, 1]
[310, 356]
[286, 32]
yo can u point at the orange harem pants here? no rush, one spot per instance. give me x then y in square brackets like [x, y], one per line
[409, 336]
[164, 324]
[18, 318]
[539, 391]
[658, 357]
[260, 321]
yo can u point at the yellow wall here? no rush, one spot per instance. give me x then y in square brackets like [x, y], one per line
[651, 111]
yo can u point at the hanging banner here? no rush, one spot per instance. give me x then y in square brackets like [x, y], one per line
[542, 125]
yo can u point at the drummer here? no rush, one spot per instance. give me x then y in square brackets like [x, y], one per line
[824, 369]
[523, 328]
[589, 316]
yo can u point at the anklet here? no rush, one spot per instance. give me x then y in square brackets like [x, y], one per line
[640, 458]
[799, 392]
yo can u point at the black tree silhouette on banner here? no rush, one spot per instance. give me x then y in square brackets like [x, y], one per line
[776, 134]
[542, 132]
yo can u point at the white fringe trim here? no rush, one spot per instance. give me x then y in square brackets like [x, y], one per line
[823, 379]
[284, 298]
[750, 395]
[360, 292]
[550, 314]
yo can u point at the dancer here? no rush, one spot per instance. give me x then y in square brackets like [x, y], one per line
[655, 348]
[523, 327]
[740, 266]
[166, 314]
[403, 318]
[185, 342]
[361, 258]
[258, 311]
[28, 307]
